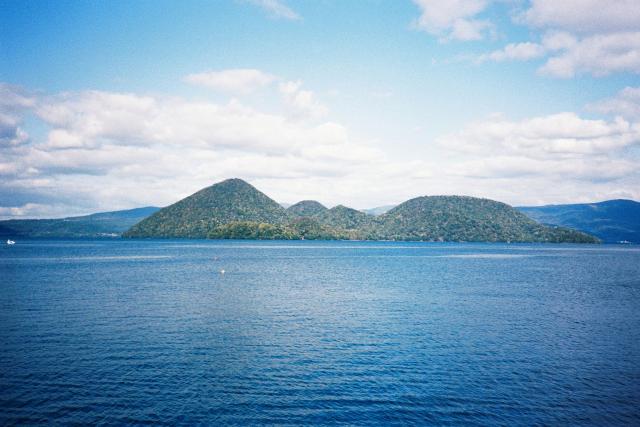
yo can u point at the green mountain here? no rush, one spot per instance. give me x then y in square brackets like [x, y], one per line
[233, 209]
[468, 219]
[104, 224]
[206, 213]
[611, 221]
[306, 208]
[348, 222]
[311, 219]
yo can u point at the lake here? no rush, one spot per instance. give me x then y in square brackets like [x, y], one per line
[360, 333]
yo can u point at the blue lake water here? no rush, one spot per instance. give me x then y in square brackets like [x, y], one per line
[359, 333]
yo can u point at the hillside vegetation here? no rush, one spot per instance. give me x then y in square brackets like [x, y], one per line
[203, 213]
[468, 219]
[308, 208]
[233, 209]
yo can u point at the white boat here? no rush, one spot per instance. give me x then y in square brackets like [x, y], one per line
[10, 242]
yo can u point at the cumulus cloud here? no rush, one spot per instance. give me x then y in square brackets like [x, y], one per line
[15, 97]
[584, 16]
[513, 167]
[13, 101]
[559, 135]
[113, 150]
[515, 51]
[568, 56]
[10, 131]
[241, 80]
[276, 8]
[92, 119]
[598, 55]
[30, 210]
[625, 103]
[106, 150]
[548, 155]
[579, 37]
[453, 19]
[301, 102]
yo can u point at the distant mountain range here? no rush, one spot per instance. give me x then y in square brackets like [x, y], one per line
[379, 210]
[105, 224]
[611, 221]
[235, 209]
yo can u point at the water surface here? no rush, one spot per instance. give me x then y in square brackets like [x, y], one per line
[359, 333]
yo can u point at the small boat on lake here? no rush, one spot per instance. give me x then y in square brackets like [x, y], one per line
[10, 242]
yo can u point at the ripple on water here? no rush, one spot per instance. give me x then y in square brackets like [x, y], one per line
[140, 332]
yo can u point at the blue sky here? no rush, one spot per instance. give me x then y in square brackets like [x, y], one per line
[111, 105]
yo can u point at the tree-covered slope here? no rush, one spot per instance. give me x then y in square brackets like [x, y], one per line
[306, 208]
[198, 215]
[233, 209]
[611, 221]
[104, 224]
[347, 222]
[459, 218]
[312, 220]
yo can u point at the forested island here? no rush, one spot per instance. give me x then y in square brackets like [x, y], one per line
[234, 209]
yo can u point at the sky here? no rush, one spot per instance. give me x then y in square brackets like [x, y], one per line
[115, 105]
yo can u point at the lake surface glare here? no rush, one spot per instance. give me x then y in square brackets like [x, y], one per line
[321, 333]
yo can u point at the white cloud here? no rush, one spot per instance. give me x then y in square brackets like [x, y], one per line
[625, 103]
[453, 19]
[549, 159]
[568, 56]
[106, 150]
[10, 131]
[579, 37]
[513, 167]
[599, 55]
[560, 135]
[515, 51]
[14, 97]
[109, 150]
[584, 16]
[13, 100]
[27, 210]
[241, 80]
[301, 102]
[276, 8]
[558, 40]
